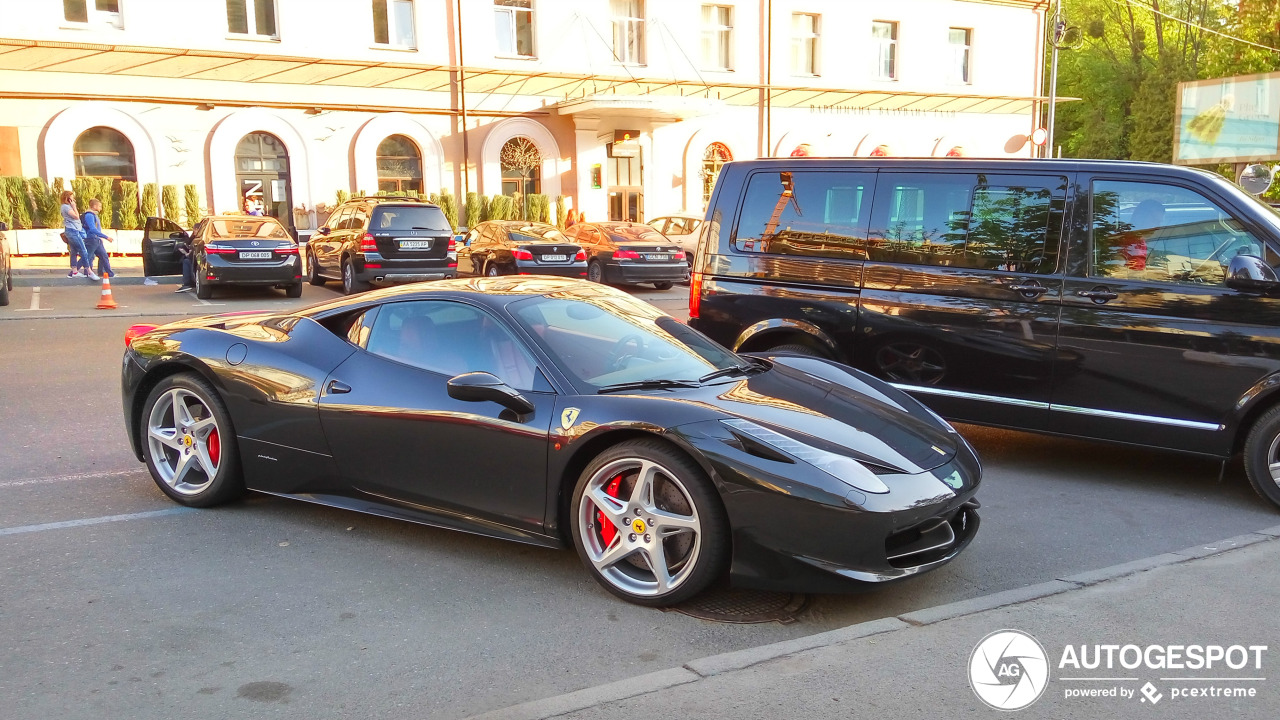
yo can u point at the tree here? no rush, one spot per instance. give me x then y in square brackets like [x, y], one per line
[520, 155]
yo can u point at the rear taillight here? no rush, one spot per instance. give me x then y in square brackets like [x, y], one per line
[521, 254]
[287, 251]
[678, 255]
[218, 250]
[136, 331]
[581, 256]
[695, 293]
[626, 255]
[368, 244]
[453, 245]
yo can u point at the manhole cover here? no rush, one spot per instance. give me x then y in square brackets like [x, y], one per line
[744, 606]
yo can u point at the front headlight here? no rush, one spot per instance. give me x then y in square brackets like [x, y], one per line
[843, 468]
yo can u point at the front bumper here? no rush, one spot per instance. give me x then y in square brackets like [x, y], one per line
[647, 272]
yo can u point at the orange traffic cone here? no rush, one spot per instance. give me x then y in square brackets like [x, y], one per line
[107, 302]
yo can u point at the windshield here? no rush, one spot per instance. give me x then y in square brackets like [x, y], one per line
[610, 339]
[409, 217]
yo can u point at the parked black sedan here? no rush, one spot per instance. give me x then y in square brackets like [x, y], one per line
[554, 411]
[225, 250]
[624, 252]
[517, 247]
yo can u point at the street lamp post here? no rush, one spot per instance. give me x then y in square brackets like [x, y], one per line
[1058, 30]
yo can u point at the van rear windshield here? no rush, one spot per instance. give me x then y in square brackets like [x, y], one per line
[409, 217]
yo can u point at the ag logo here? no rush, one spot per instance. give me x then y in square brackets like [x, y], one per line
[1008, 670]
[568, 417]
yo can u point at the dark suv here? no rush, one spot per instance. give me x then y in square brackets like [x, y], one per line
[382, 241]
[1121, 301]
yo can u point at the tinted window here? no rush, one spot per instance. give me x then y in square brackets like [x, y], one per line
[985, 222]
[409, 217]
[1152, 231]
[535, 233]
[355, 221]
[820, 214]
[450, 338]
[247, 227]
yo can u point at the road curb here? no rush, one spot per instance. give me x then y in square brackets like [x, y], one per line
[713, 665]
[61, 280]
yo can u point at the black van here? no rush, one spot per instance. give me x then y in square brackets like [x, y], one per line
[1121, 301]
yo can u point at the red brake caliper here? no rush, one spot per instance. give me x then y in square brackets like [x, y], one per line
[607, 529]
[215, 446]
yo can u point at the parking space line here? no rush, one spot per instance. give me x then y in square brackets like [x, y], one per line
[68, 478]
[35, 301]
[93, 521]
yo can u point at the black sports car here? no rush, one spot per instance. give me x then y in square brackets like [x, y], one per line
[556, 411]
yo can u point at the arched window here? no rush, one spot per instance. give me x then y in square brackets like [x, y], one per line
[521, 167]
[105, 153]
[261, 152]
[399, 165]
[262, 172]
[716, 155]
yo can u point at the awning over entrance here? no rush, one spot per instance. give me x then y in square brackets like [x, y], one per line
[564, 87]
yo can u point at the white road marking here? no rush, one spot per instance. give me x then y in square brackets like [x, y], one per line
[93, 521]
[35, 302]
[69, 478]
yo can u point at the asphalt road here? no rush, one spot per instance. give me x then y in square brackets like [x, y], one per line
[116, 602]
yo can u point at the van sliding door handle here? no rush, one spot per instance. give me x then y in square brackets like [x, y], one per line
[1029, 289]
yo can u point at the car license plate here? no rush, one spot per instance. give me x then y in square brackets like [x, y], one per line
[415, 244]
[554, 258]
[255, 255]
[657, 256]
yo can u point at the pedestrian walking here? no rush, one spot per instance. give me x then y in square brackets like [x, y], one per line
[73, 230]
[94, 238]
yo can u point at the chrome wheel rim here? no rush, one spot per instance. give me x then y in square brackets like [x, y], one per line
[185, 441]
[348, 277]
[1273, 459]
[594, 273]
[656, 535]
[492, 271]
[311, 266]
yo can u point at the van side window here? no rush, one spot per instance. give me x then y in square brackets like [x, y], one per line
[1153, 231]
[983, 222]
[813, 213]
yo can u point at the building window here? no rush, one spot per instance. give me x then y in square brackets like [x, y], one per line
[715, 156]
[628, 31]
[884, 37]
[960, 40]
[521, 167]
[804, 44]
[104, 12]
[252, 17]
[717, 37]
[513, 25]
[393, 23]
[399, 165]
[105, 153]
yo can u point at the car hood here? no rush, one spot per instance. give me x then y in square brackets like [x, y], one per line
[839, 409]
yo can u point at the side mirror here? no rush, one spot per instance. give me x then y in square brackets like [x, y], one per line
[1249, 273]
[486, 387]
[324, 230]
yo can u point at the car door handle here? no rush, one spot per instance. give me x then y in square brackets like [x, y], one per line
[336, 387]
[1098, 294]
[1031, 289]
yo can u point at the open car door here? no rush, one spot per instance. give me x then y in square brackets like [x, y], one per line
[160, 254]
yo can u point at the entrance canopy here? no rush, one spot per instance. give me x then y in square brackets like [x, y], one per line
[63, 57]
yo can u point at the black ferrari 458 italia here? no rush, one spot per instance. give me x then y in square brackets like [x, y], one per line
[556, 411]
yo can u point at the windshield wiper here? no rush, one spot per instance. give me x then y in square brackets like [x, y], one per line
[751, 365]
[658, 384]
[419, 227]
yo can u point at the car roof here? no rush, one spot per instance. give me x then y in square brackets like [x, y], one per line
[520, 224]
[681, 215]
[971, 164]
[242, 217]
[625, 227]
[491, 291]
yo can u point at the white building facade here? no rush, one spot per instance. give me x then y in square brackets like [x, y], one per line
[631, 105]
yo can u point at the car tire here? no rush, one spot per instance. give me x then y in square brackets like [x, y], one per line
[492, 270]
[203, 289]
[313, 270]
[350, 285]
[691, 527]
[595, 271]
[294, 290]
[5, 287]
[193, 456]
[1261, 451]
[665, 285]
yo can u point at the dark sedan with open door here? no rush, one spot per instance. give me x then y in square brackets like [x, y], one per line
[225, 250]
[558, 412]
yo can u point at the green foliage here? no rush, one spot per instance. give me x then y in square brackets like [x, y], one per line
[561, 214]
[473, 209]
[150, 201]
[191, 202]
[169, 200]
[6, 205]
[104, 190]
[486, 209]
[20, 204]
[340, 197]
[48, 212]
[83, 189]
[502, 207]
[128, 205]
[450, 207]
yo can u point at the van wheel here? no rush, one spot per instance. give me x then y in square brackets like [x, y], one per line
[1262, 456]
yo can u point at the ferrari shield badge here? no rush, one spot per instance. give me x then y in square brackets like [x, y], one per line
[568, 417]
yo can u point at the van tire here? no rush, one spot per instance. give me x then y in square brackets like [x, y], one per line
[1261, 449]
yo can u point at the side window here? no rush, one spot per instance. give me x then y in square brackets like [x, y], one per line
[983, 222]
[451, 338]
[1153, 231]
[817, 214]
[358, 333]
[359, 215]
[338, 218]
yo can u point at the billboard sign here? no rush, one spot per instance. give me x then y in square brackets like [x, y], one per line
[1226, 120]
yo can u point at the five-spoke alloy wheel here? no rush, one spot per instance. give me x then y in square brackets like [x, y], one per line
[189, 444]
[648, 524]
